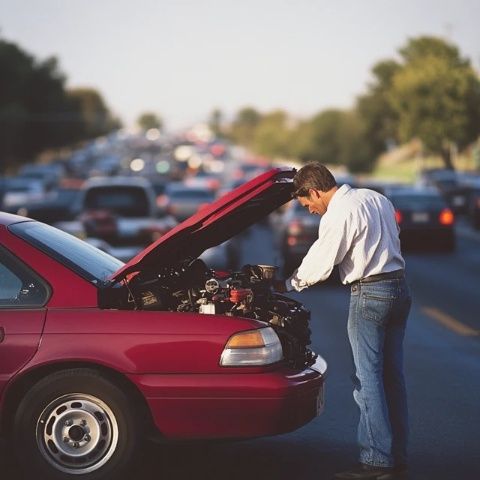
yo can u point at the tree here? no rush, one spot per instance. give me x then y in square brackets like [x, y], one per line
[334, 137]
[149, 120]
[242, 130]
[215, 122]
[436, 95]
[94, 118]
[432, 94]
[272, 135]
[36, 113]
[380, 119]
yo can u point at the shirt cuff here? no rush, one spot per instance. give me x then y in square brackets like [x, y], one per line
[294, 283]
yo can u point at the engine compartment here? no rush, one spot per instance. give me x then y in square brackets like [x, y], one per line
[193, 287]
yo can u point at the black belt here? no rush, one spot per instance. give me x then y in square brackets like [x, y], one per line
[381, 276]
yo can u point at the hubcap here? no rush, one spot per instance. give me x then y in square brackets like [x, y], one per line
[77, 433]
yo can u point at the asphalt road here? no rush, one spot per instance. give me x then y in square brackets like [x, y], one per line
[443, 380]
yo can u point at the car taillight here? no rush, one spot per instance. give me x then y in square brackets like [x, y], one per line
[398, 216]
[252, 348]
[162, 201]
[295, 228]
[291, 241]
[446, 217]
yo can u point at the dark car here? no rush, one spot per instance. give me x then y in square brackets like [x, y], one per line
[449, 185]
[57, 206]
[473, 208]
[296, 230]
[121, 211]
[184, 201]
[424, 218]
[97, 355]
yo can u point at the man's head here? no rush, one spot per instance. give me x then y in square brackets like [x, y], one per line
[314, 186]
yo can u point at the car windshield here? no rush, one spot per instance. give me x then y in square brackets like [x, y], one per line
[86, 260]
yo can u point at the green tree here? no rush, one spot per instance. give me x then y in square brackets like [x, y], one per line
[215, 122]
[379, 117]
[244, 125]
[436, 95]
[272, 135]
[334, 137]
[149, 120]
[93, 116]
[432, 94]
[36, 113]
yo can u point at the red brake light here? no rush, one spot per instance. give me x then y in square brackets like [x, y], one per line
[398, 216]
[446, 217]
[295, 228]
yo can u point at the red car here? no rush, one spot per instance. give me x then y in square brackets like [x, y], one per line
[96, 355]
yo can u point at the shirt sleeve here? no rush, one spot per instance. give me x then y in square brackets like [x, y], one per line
[335, 239]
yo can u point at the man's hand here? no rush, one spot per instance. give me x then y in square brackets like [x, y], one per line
[279, 286]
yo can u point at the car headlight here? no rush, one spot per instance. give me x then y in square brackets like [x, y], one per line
[252, 348]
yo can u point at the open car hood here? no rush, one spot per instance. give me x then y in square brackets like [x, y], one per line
[216, 223]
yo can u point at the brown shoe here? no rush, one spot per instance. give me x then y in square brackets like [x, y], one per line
[368, 472]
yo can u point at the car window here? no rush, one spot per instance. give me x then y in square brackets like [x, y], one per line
[89, 262]
[192, 194]
[19, 286]
[418, 201]
[124, 201]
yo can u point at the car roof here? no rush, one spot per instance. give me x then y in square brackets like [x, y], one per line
[7, 219]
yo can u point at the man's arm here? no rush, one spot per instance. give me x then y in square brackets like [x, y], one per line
[335, 238]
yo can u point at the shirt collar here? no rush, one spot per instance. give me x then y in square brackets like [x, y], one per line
[339, 194]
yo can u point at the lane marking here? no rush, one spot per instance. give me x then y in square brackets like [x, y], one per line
[450, 322]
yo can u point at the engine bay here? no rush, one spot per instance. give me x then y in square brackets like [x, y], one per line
[193, 287]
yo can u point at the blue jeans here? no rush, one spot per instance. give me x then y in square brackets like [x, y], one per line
[376, 328]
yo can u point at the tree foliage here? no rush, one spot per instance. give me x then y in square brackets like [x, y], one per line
[149, 120]
[433, 94]
[436, 96]
[36, 111]
[430, 92]
[215, 122]
[242, 129]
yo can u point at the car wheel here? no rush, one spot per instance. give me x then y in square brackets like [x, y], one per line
[76, 424]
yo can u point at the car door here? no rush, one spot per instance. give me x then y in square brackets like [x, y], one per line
[23, 295]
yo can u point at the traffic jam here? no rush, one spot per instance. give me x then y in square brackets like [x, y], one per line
[137, 297]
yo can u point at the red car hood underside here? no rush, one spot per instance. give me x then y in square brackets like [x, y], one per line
[219, 221]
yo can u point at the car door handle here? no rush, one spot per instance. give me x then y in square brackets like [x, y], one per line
[2, 334]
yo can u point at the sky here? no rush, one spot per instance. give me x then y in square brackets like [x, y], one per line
[183, 58]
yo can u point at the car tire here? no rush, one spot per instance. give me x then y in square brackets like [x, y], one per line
[76, 424]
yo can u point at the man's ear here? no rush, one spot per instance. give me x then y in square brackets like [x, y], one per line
[314, 194]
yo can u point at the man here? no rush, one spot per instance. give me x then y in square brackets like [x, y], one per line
[358, 232]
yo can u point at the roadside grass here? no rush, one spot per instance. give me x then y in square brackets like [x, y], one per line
[407, 169]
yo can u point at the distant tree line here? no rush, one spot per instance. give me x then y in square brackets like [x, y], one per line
[38, 112]
[431, 94]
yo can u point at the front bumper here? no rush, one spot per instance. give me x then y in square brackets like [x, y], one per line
[236, 405]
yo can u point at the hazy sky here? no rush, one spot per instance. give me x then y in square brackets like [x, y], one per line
[182, 58]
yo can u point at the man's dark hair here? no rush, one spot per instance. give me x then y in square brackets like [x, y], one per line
[312, 175]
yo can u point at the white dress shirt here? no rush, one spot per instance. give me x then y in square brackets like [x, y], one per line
[358, 233]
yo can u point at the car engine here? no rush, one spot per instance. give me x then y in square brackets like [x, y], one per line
[193, 287]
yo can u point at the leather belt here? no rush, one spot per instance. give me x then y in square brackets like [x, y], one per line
[381, 276]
